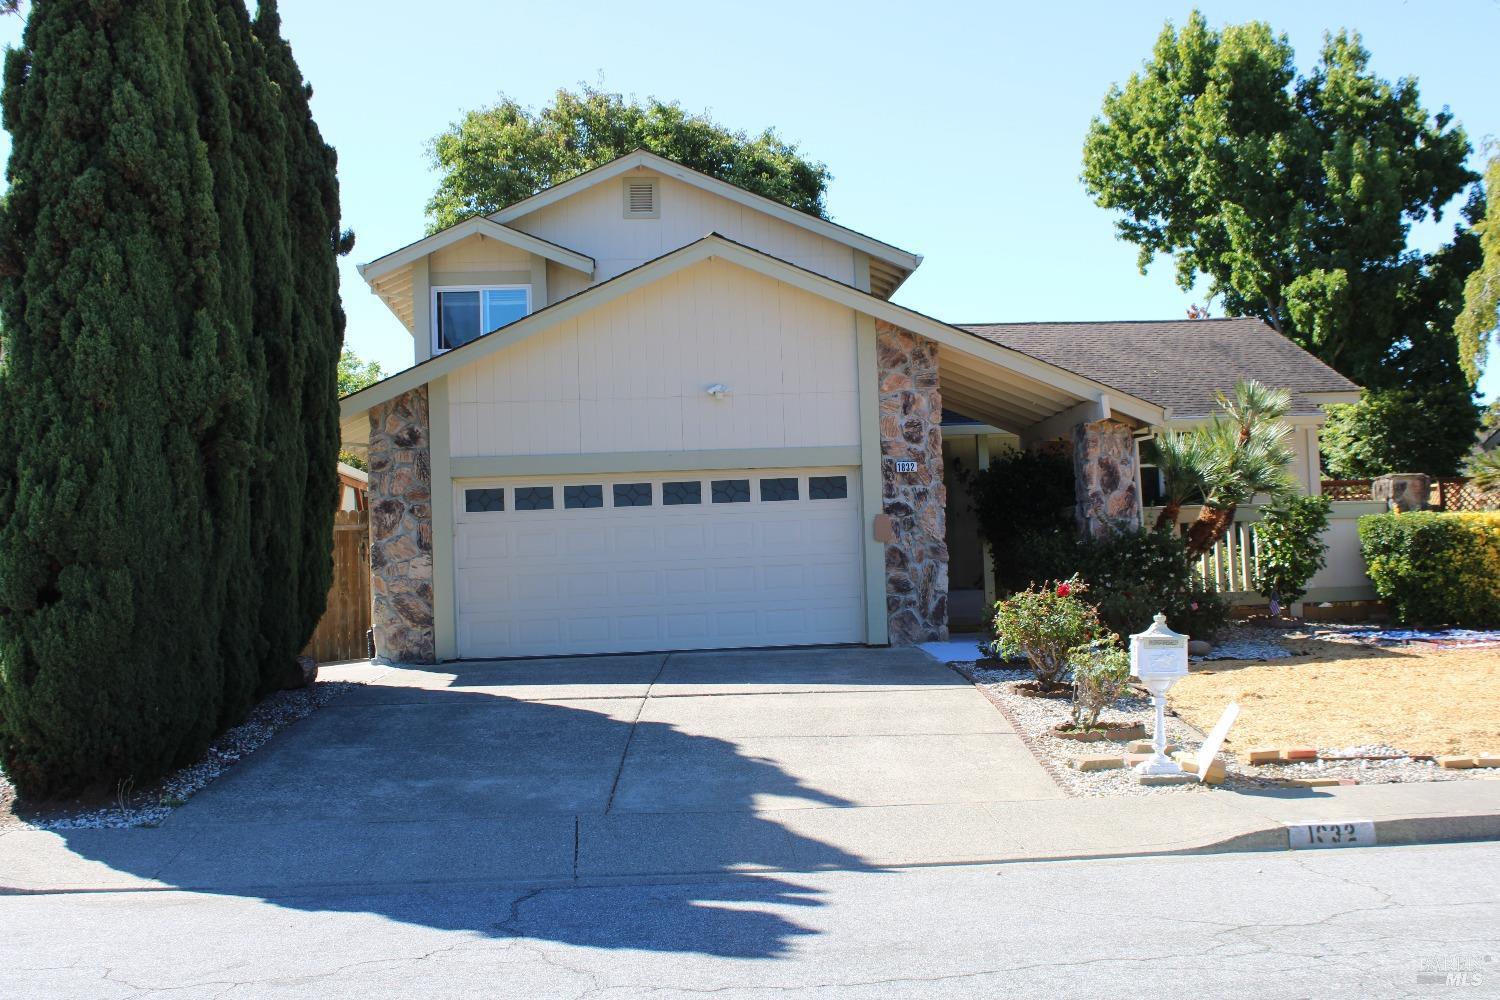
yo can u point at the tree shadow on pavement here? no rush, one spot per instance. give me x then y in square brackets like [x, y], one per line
[472, 811]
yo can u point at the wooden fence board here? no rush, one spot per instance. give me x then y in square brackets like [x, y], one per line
[341, 632]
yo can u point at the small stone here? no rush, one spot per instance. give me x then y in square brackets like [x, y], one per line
[1299, 753]
[1098, 763]
[1262, 755]
[1167, 779]
[1199, 647]
[1456, 763]
[1139, 746]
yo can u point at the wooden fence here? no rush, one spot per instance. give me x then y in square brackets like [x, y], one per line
[341, 632]
[1453, 493]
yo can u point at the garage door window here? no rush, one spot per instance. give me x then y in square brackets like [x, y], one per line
[731, 491]
[773, 490]
[534, 498]
[484, 501]
[632, 494]
[827, 487]
[680, 494]
[583, 497]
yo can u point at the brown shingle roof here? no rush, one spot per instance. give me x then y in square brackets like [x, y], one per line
[1174, 363]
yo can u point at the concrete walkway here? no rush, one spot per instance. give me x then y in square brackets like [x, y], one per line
[668, 765]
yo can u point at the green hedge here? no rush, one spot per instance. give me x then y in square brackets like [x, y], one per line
[1435, 569]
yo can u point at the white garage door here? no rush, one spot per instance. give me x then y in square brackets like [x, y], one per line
[579, 564]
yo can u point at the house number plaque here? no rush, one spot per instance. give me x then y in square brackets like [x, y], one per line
[905, 465]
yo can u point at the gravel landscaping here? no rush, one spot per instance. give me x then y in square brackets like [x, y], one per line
[1376, 710]
[148, 806]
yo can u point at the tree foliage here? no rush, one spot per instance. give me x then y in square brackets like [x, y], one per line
[1289, 548]
[171, 326]
[1397, 430]
[1481, 313]
[355, 373]
[499, 155]
[1294, 196]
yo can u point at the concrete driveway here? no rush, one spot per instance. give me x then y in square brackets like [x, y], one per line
[596, 767]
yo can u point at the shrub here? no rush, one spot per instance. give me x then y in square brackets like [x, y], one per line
[1100, 674]
[1134, 574]
[1289, 548]
[1045, 624]
[1435, 569]
[1024, 500]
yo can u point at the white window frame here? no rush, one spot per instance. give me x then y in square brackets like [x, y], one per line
[437, 348]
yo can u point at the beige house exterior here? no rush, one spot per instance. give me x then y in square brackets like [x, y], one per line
[649, 410]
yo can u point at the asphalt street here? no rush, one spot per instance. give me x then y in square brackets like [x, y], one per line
[1371, 922]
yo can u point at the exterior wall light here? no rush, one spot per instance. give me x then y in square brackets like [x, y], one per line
[1158, 656]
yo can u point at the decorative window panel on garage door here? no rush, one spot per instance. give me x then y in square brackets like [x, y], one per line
[671, 573]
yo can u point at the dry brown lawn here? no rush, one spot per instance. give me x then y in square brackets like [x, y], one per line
[1422, 700]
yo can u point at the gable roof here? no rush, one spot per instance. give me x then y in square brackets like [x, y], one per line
[904, 261]
[477, 225]
[1179, 364]
[1051, 388]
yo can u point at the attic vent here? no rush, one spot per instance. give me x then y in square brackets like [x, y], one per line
[640, 198]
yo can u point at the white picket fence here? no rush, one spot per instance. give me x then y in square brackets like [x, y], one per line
[1230, 566]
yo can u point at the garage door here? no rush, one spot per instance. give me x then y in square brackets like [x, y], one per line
[577, 564]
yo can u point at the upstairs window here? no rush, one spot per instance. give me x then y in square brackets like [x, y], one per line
[464, 314]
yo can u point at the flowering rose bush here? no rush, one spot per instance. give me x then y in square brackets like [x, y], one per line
[1045, 624]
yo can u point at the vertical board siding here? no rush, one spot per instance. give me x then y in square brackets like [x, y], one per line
[592, 222]
[340, 634]
[631, 375]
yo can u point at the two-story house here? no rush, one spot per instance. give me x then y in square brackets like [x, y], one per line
[652, 411]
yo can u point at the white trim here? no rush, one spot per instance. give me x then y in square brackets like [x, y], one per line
[437, 290]
[644, 160]
[479, 225]
[719, 247]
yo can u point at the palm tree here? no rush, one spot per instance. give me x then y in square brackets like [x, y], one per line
[1485, 471]
[1182, 463]
[1242, 452]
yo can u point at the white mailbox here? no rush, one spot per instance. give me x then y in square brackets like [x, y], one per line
[1158, 653]
[1158, 656]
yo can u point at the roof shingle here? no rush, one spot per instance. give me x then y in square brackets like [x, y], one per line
[1179, 364]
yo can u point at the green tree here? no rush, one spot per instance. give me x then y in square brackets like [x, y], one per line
[1397, 430]
[499, 155]
[171, 330]
[355, 373]
[1289, 548]
[107, 285]
[1476, 324]
[1294, 196]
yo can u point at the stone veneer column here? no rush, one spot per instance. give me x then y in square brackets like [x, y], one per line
[1105, 478]
[400, 493]
[916, 559]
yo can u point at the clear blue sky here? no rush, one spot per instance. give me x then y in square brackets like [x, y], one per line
[952, 130]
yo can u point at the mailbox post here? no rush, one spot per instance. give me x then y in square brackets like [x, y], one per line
[1158, 656]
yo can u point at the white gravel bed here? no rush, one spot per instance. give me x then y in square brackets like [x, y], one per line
[149, 806]
[1035, 717]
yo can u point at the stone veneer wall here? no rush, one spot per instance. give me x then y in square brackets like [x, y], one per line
[916, 559]
[1105, 478]
[400, 493]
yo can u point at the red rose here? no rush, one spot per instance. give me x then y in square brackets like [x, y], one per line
[1063, 590]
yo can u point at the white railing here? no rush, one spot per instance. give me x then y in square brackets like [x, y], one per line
[1230, 566]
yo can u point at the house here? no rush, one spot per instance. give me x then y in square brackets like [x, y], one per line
[650, 410]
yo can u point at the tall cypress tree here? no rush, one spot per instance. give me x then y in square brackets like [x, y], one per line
[109, 659]
[168, 400]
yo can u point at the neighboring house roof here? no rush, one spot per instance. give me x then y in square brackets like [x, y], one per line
[1046, 387]
[900, 263]
[1179, 364]
[1491, 441]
